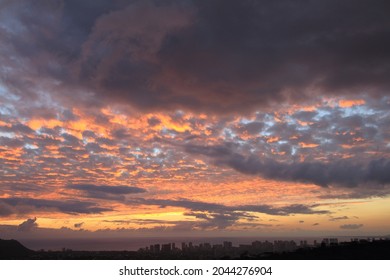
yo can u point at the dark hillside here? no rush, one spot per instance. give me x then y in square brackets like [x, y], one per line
[12, 249]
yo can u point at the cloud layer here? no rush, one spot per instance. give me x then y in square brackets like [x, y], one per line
[346, 173]
[24, 205]
[219, 112]
[214, 56]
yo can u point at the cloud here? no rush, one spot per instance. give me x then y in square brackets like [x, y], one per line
[23, 205]
[208, 216]
[28, 225]
[216, 56]
[78, 225]
[315, 224]
[283, 211]
[108, 189]
[204, 221]
[252, 128]
[217, 220]
[142, 221]
[342, 172]
[5, 209]
[17, 128]
[107, 192]
[78, 81]
[11, 142]
[198, 206]
[334, 219]
[217, 216]
[351, 226]
[70, 140]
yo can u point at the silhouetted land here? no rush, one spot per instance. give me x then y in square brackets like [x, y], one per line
[12, 249]
[328, 249]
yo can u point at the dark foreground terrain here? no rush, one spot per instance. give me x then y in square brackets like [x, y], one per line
[363, 249]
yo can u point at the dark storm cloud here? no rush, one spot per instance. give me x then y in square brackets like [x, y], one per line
[203, 55]
[237, 54]
[344, 172]
[22, 205]
[107, 192]
[61, 28]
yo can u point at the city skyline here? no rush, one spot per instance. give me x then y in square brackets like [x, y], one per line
[326, 249]
[194, 118]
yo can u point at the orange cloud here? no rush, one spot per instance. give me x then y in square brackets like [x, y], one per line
[273, 139]
[36, 124]
[307, 145]
[350, 103]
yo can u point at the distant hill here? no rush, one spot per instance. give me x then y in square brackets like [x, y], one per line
[12, 249]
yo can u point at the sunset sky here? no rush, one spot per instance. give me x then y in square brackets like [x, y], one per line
[194, 118]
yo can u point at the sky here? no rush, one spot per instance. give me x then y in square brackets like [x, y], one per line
[194, 118]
